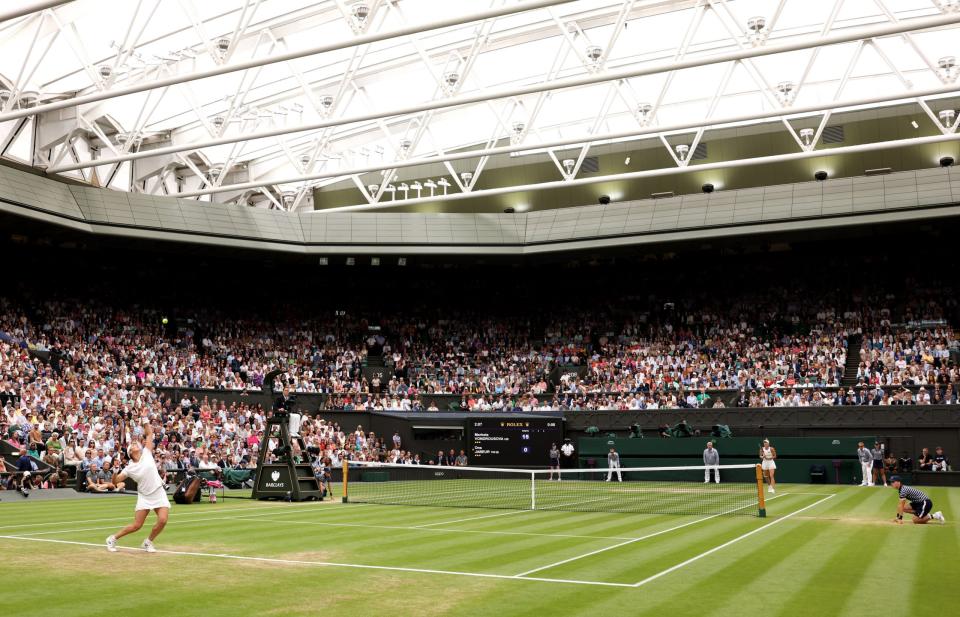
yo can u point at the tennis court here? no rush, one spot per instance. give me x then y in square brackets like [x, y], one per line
[300, 558]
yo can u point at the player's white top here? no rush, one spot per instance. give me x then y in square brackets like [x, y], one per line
[767, 453]
[144, 473]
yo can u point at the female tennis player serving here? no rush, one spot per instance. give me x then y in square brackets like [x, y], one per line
[151, 495]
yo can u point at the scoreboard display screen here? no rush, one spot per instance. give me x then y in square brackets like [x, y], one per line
[513, 442]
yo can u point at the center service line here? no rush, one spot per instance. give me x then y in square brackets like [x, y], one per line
[726, 544]
[632, 540]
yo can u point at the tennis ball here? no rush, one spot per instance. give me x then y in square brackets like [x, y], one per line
[165, 321]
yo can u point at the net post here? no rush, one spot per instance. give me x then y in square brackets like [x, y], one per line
[761, 501]
[346, 468]
[533, 490]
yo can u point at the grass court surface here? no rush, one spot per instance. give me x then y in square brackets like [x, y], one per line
[822, 550]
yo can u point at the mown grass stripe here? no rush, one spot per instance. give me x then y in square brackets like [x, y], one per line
[843, 550]
[756, 566]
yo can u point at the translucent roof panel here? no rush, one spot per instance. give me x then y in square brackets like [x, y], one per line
[254, 100]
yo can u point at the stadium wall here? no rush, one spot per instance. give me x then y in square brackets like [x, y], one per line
[796, 456]
[905, 428]
[908, 195]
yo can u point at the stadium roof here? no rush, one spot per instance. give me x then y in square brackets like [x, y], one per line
[415, 102]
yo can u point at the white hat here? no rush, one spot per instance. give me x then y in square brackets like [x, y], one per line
[26, 474]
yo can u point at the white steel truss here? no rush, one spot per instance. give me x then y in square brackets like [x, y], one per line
[235, 101]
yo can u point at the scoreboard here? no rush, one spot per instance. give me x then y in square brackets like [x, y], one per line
[513, 442]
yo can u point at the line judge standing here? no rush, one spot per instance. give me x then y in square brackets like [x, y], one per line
[866, 464]
[613, 465]
[567, 461]
[711, 460]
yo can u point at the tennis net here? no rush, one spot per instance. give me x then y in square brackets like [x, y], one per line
[654, 490]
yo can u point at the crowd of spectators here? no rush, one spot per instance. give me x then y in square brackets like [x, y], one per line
[72, 370]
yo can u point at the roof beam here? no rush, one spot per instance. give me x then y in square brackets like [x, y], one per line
[648, 131]
[284, 57]
[28, 9]
[854, 34]
[652, 173]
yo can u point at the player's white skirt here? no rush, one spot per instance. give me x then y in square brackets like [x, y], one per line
[768, 464]
[150, 501]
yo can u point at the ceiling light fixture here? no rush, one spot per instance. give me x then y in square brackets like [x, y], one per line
[707, 188]
[946, 117]
[756, 29]
[948, 65]
[946, 161]
[644, 109]
[594, 53]
[820, 176]
[786, 88]
[360, 11]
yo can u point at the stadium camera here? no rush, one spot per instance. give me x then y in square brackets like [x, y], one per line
[946, 161]
[604, 200]
[820, 176]
[707, 188]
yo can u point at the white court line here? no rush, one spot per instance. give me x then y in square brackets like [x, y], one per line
[178, 522]
[632, 540]
[550, 509]
[331, 564]
[324, 524]
[726, 544]
[435, 529]
[473, 518]
[274, 511]
[174, 513]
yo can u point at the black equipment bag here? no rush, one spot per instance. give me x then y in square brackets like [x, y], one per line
[188, 491]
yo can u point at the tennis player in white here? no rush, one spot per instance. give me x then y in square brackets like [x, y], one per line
[151, 495]
[768, 463]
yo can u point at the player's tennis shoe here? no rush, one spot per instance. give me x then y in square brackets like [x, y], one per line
[772, 490]
[148, 546]
[939, 516]
[112, 544]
